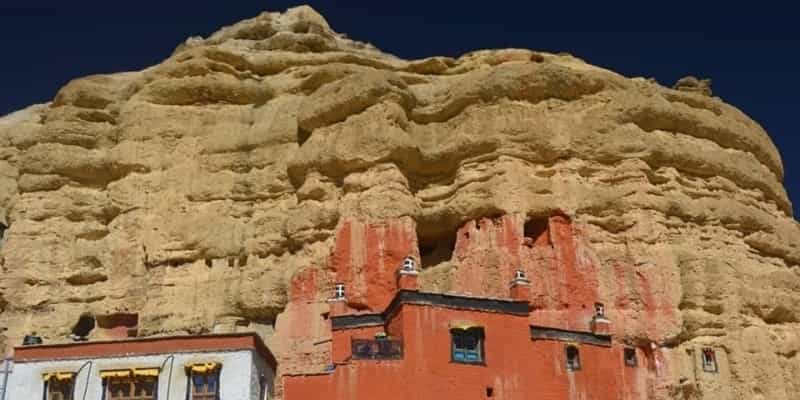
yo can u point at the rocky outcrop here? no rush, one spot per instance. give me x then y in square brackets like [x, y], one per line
[693, 85]
[219, 190]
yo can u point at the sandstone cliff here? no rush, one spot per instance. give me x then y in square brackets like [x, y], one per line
[207, 193]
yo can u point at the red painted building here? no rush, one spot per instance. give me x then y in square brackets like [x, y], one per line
[494, 334]
[441, 346]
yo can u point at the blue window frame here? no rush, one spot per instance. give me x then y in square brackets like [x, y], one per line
[467, 345]
[204, 385]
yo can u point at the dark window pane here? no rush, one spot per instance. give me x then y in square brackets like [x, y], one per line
[198, 382]
[467, 346]
[119, 388]
[573, 358]
[205, 385]
[144, 387]
[212, 383]
[59, 390]
[458, 341]
[470, 343]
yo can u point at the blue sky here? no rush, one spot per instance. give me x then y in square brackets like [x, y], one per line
[752, 52]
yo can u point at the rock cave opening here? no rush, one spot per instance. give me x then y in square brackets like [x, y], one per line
[434, 250]
[3, 229]
[118, 325]
[302, 136]
[82, 328]
[536, 232]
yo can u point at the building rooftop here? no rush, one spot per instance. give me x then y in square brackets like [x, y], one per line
[145, 346]
[506, 306]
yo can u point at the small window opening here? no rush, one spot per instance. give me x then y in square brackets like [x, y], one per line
[599, 310]
[467, 345]
[630, 357]
[536, 232]
[338, 291]
[82, 328]
[573, 358]
[204, 382]
[2, 230]
[59, 386]
[32, 339]
[709, 358]
[489, 391]
[435, 250]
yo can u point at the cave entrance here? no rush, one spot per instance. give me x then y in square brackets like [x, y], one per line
[537, 233]
[82, 328]
[434, 250]
[118, 325]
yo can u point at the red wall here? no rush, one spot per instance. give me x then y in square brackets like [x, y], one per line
[366, 258]
[566, 277]
[516, 367]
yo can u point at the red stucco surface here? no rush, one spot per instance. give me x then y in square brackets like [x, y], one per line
[516, 367]
[566, 280]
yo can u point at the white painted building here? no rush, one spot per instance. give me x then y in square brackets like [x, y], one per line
[208, 367]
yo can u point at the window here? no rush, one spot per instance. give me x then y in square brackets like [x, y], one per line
[382, 348]
[204, 381]
[709, 359]
[130, 384]
[58, 386]
[630, 357]
[467, 345]
[573, 358]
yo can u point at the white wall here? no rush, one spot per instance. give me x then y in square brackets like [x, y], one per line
[238, 377]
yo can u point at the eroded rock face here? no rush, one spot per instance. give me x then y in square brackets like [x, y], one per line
[229, 186]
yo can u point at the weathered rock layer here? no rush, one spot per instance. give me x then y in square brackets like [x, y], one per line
[207, 193]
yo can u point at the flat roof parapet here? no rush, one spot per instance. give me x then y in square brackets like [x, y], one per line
[145, 346]
[485, 304]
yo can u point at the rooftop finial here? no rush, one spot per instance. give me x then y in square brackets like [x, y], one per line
[409, 264]
[338, 292]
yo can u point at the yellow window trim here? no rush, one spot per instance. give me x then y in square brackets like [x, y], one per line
[127, 373]
[146, 371]
[123, 373]
[464, 326]
[59, 376]
[203, 368]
